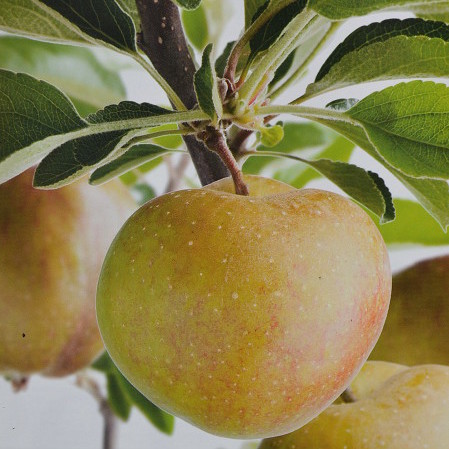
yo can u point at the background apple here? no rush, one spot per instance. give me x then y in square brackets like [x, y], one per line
[417, 327]
[52, 244]
[244, 315]
[397, 407]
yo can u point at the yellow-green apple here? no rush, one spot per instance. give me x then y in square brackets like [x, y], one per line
[396, 407]
[52, 245]
[244, 315]
[417, 327]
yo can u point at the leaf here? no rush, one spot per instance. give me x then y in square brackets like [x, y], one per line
[137, 155]
[411, 48]
[188, 4]
[365, 187]
[251, 8]
[436, 11]
[130, 7]
[274, 27]
[342, 104]
[196, 26]
[271, 135]
[36, 118]
[143, 193]
[206, 87]
[34, 19]
[221, 61]
[343, 9]
[432, 194]
[407, 124]
[297, 175]
[404, 229]
[117, 398]
[32, 112]
[101, 20]
[74, 70]
[75, 158]
[297, 136]
[160, 419]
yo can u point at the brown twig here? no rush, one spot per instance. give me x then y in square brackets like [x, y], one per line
[175, 172]
[110, 427]
[162, 40]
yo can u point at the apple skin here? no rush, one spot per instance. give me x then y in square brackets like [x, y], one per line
[52, 245]
[245, 316]
[417, 327]
[397, 407]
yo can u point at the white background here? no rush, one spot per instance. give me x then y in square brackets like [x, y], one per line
[55, 414]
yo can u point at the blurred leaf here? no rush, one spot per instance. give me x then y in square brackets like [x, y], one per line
[74, 70]
[103, 21]
[342, 104]
[298, 175]
[143, 193]
[297, 136]
[392, 49]
[196, 26]
[36, 20]
[413, 225]
[137, 155]
[435, 11]
[343, 9]
[117, 398]
[129, 178]
[206, 87]
[103, 363]
[171, 141]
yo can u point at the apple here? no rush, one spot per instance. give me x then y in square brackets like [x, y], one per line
[52, 245]
[244, 315]
[396, 407]
[417, 327]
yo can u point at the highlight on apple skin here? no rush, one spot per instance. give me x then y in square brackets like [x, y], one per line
[417, 327]
[245, 316]
[52, 245]
[396, 407]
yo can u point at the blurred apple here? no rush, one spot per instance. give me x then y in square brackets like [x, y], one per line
[396, 407]
[417, 326]
[245, 316]
[52, 245]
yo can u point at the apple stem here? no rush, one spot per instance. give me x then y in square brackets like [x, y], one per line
[348, 396]
[215, 141]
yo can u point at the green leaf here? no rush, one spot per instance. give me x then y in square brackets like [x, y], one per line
[251, 8]
[220, 63]
[343, 9]
[298, 175]
[342, 104]
[206, 87]
[196, 26]
[74, 70]
[101, 20]
[34, 19]
[160, 419]
[407, 124]
[297, 136]
[32, 112]
[365, 187]
[137, 155]
[188, 4]
[77, 157]
[432, 194]
[436, 11]
[413, 225]
[103, 363]
[274, 27]
[411, 48]
[130, 7]
[143, 193]
[117, 398]
[271, 135]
